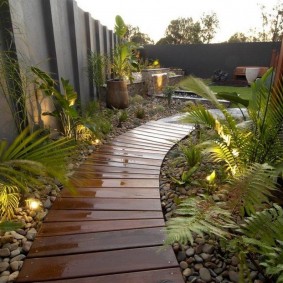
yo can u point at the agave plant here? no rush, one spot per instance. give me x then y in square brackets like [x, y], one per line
[25, 163]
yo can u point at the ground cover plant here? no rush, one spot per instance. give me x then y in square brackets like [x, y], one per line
[236, 200]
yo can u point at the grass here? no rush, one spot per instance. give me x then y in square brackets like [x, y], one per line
[244, 92]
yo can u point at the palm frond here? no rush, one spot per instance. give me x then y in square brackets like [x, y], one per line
[200, 115]
[252, 189]
[198, 215]
[9, 200]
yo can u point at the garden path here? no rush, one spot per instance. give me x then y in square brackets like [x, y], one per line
[112, 229]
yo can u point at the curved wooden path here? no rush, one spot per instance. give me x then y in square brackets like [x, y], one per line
[111, 230]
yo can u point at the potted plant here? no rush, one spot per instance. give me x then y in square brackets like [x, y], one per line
[122, 65]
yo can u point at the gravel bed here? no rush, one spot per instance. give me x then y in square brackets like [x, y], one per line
[204, 260]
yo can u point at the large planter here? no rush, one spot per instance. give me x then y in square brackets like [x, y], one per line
[117, 94]
[251, 74]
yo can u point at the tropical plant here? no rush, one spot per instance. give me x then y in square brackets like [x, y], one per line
[198, 215]
[168, 93]
[98, 69]
[24, 165]
[124, 60]
[14, 85]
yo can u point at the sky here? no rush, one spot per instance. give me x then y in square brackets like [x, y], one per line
[153, 16]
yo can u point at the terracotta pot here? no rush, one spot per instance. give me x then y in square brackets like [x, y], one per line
[117, 94]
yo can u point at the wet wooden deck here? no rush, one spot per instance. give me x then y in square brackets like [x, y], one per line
[111, 230]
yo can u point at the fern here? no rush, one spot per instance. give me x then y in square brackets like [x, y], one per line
[28, 158]
[198, 215]
[9, 200]
[251, 190]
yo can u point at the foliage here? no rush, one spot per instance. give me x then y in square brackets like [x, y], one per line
[271, 27]
[98, 69]
[188, 31]
[240, 147]
[14, 85]
[136, 99]
[198, 215]
[10, 226]
[122, 117]
[186, 176]
[169, 92]
[134, 34]
[9, 200]
[124, 60]
[191, 154]
[140, 112]
[26, 162]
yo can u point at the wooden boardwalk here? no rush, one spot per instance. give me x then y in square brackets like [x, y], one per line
[112, 229]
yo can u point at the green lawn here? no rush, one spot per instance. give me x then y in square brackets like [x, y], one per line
[244, 92]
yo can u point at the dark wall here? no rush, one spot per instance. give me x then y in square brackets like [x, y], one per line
[203, 59]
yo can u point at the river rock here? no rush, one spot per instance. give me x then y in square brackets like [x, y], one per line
[4, 252]
[27, 246]
[205, 274]
[207, 248]
[4, 278]
[187, 272]
[3, 266]
[190, 252]
[31, 234]
[13, 276]
[234, 276]
[181, 256]
[184, 265]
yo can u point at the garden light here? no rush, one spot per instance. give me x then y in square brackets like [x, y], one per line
[33, 204]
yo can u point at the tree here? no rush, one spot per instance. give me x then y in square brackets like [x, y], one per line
[187, 31]
[135, 35]
[238, 37]
[272, 23]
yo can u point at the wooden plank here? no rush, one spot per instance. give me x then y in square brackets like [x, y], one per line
[89, 215]
[137, 145]
[126, 159]
[97, 242]
[170, 126]
[126, 153]
[114, 193]
[98, 175]
[157, 134]
[169, 275]
[82, 227]
[107, 204]
[144, 138]
[165, 129]
[107, 147]
[100, 263]
[138, 141]
[115, 169]
[121, 165]
[108, 183]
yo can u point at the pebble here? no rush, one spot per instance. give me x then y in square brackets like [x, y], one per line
[190, 252]
[3, 266]
[205, 257]
[4, 278]
[181, 256]
[234, 276]
[4, 252]
[198, 266]
[13, 276]
[18, 257]
[15, 265]
[205, 274]
[27, 246]
[187, 272]
[16, 252]
[234, 260]
[17, 236]
[198, 258]
[207, 248]
[31, 234]
[47, 204]
[184, 264]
